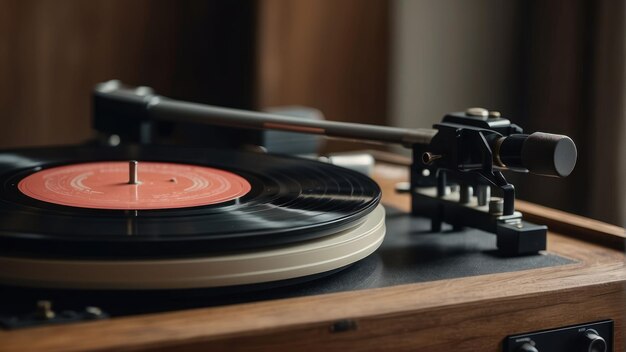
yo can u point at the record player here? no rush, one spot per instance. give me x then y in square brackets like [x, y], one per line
[141, 242]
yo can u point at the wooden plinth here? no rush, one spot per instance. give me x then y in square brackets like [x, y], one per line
[465, 314]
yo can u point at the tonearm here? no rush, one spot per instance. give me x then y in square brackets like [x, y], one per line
[455, 164]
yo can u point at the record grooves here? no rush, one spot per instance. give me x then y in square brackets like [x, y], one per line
[291, 200]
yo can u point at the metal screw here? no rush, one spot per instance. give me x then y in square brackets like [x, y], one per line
[44, 310]
[494, 114]
[496, 206]
[478, 112]
[403, 187]
[465, 194]
[114, 140]
[483, 194]
[93, 312]
[428, 158]
[143, 91]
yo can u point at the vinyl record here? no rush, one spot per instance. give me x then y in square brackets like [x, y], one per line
[275, 264]
[235, 201]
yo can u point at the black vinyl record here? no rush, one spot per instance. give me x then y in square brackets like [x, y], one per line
[291, 200]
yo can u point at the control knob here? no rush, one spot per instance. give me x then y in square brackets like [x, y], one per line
[528, 347]
[593, 341]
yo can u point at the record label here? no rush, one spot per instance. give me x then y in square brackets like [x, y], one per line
[157, 185]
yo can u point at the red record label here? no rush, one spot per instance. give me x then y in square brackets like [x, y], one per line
[105, 185]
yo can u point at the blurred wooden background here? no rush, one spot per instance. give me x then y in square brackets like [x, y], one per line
[332, 55]
[53, 52]
[248, 54]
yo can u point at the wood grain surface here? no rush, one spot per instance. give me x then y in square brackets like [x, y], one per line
[464, 314]
[330, 55]
[52, 53]
[327, 54]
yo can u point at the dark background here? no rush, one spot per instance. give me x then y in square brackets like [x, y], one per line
[556, 66]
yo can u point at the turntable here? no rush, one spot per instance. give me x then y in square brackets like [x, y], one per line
[151, 246]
